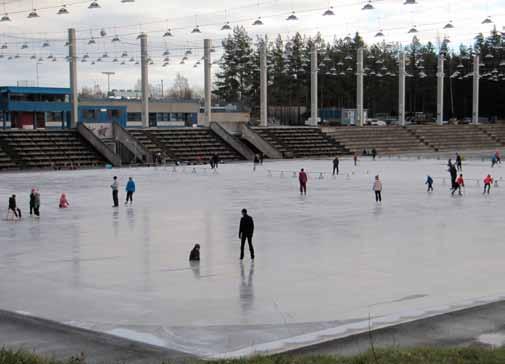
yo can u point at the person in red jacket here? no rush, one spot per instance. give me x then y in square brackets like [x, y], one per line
[303, 178]
[460, 182]
[488, 181]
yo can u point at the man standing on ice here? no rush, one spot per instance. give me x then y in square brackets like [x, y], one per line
[303, 178]
[246, 231]
[336, 162]
[115, 192]
[130, 190]
[377, 188]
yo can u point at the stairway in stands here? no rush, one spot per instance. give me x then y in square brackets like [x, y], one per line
[386, 140]
[301, 142]
[192, 145]
[6, 161]
[454, 138]
[494, 131]
[49, 149]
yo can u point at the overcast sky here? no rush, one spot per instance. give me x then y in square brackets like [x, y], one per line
[127, 20]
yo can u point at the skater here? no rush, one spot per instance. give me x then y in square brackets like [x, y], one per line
[115, 192]
[303, 178]
[194, 256]
[374, 153]
[256, 162]
[459, 163]
[460, 183]
[429, 182]
[262, 157]
[498, 157]
[36, 203]
[246, 231]
[215, 157]
[64, 204]
[336, 162]
[494, 161]
[454, 175]
[377, 188]
[13, 207]
[488, 181]
[355, 158]
[32, 202]
[130, 190]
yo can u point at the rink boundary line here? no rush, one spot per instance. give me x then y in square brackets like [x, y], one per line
[92, 335]
[345, 332]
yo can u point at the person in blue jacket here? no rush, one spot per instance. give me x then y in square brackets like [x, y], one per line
[130, 190]
[429, 182]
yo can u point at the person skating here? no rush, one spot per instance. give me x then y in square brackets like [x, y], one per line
[256, 162]
[130, 190]
[336, 163]
[355, 158]
[194, 255]
[64, 204]
[374, 153]
[216, 160]
[32, 201]
[246, 232]
[429, 182]
[13, 207]
[498, 156]
[377, 188]
[488, 181]
[454, 175]
[262, 157]
[494, 161]
[303, 178]
[460, 183]
[459, 163]
[36, 203]
[115, 192]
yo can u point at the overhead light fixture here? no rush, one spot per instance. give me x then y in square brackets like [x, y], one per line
[226, 26]
[91, 41]
[33, 57]
[348, 38]
[5, 18]
[379, 34]
[45, 44]
[292, 17]
[124, 54]
[368, 6]
[196, 30]
[4, 46]
[63, 10]
[449, 25]
[103, 33]
[410, 2]
[24, 46]
[116, 39]
[487, 21]
[94, 5]
[258, 21]
[33, 14]
[329, 12]
[413, 30]
[168, 33]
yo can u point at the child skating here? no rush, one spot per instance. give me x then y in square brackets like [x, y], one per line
[488, 181]
[429, 182]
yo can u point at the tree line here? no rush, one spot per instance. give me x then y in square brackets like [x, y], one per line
[289, 74]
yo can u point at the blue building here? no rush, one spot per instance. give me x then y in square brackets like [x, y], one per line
[48, 107]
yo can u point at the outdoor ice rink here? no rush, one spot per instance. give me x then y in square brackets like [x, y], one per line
[325, 263]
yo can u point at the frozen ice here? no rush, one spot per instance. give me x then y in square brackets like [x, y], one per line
[325, 263]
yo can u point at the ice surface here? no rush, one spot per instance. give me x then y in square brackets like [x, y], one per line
[325, 262]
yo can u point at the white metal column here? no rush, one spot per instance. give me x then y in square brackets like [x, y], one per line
[263, 85]
[440, 90]
[144, 60]
[208, 80]
[360, 121]
[314, 114]
[401, 93]
[72, 54]
[476, 85]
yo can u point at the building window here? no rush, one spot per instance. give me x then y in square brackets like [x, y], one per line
[134, 116]
[89, 115]
[54, 116]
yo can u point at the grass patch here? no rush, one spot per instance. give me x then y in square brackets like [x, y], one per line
[414, 356]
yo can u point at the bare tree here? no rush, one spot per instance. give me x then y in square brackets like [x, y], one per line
[181, 89]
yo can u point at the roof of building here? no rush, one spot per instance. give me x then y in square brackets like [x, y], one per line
[35, 90]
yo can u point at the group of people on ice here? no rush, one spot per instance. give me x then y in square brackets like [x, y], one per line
[14, 212]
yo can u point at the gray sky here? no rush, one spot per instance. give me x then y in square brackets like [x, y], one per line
[127, 20]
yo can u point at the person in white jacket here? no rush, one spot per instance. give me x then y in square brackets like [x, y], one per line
[377, 188]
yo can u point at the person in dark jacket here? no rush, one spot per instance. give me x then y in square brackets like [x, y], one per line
[459, 163]
[429, 182]
[194, 256]
[246, 231]
[32, 201]
[130, 190]
[454, 175]
[14, 207]
[374, 153]
[336, 163]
